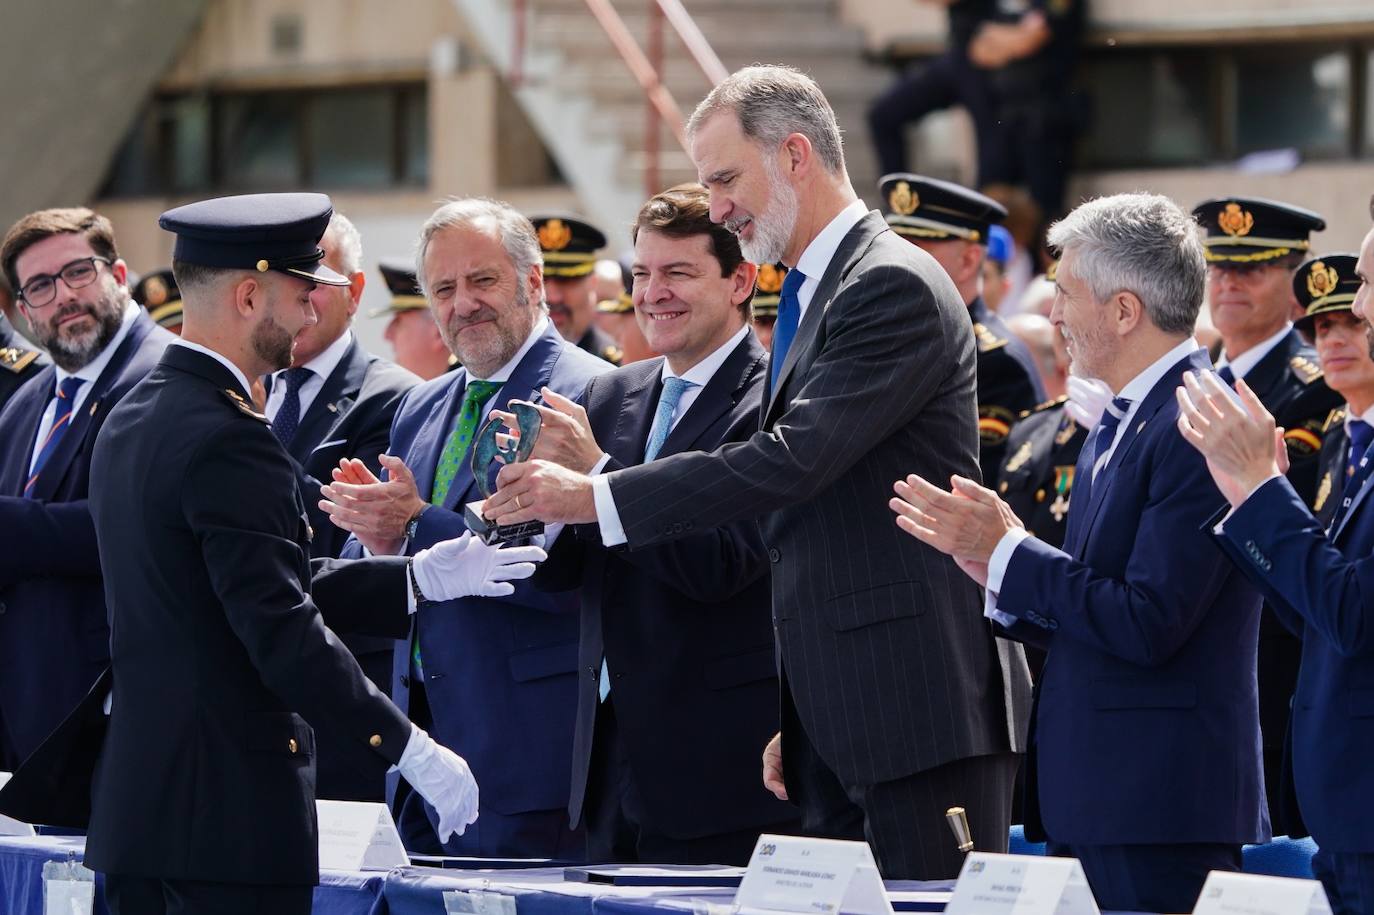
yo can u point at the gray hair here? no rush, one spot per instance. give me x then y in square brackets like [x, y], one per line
[348, 243]
[772, 103]
[499, 220]
[1139, 243]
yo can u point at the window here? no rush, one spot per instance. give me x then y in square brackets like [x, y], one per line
[371, 137]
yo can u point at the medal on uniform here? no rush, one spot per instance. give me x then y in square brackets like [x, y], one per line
[1063, 482]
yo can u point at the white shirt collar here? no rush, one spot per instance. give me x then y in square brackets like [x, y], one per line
[1367, 416]
[818, 255]
[324, 364]
[702, 373]
[1242, 364]
[502, 375]
[218, 357]
[1141, 385]
[91, 370]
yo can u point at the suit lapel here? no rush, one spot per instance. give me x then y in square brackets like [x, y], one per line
[26, 409]
[338, 393]
[1269, 371]
[1161, 394]
[81, 422]
[531, 374]
[718, 397]
[636, 417]
[854, 243]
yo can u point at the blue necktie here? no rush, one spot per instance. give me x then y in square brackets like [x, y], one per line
[785, 329]
[673, 389]
[1106, 429]
[1361, 434]
[1363, 467]
[61, 421]
[288, 418]
[1227, 375]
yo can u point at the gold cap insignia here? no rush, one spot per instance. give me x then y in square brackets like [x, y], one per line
[1234, 221]
[263, 266]
[1321, 279]
[770, 279]
[554, 235]
[154, 292]
[903, 199]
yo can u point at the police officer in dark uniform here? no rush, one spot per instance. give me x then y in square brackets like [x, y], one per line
[1325, 287]
[951, 223]
[158, 293]
[569, 245]
[18, 362]
[204, 795]
[416, 343]
[1252, 248]
[767, 292]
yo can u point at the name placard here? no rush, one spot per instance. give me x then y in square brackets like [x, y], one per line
[358, 836]
[1021, 885]
[822, 876]
[1255, 894]
[10, 826]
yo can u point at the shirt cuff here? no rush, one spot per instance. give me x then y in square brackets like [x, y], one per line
[411, 606]
[1220, 525]
[600, 465]
[612, 531]
[997, 570]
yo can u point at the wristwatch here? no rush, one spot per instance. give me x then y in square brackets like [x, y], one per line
[414, 523]
[420, 599]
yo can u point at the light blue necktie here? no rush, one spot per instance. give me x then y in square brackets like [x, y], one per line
[673, 389]
[785, 328]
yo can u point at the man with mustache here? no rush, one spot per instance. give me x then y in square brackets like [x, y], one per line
[497, 678]
[569, 246]
[897, 702]
[54, 640]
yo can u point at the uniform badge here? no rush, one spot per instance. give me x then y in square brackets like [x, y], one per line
[16, 359]
[1063, 486]
[1305, 440]
[1321, 279]
[987, 340]
[1018, 460]
[244, 406]
[770, 279]
[1323, 492]
[1066, 434]
[1234, 221]
[1306, 370]
[902, 199]
[994, 424]
[554, 235]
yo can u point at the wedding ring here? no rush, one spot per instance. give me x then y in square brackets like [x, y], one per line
[517, 503]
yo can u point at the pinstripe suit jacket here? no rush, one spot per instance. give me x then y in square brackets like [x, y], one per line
[881, 639]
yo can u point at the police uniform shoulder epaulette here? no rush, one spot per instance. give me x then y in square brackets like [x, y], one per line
[1335, 417]
[16, 358]
[987, 340]
[1305, 369]
[1047, 405]
[613, 355]
[244, 406]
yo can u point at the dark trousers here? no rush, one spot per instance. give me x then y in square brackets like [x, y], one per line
[944, 82]
[619, 829]
[527, 834]
[904, 819]
[1348, 878]
[145, 896]
[1148, 878]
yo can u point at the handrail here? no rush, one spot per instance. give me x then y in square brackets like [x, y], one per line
[694, 41]
[643, 71]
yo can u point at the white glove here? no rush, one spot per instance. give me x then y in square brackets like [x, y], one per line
[443, 779]
[467, 567]
[1088, 397]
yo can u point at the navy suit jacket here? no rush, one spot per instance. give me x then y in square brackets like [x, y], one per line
[499, 672]
[685, 626]
[1321, 585]
[1146, 727]
[54, 639]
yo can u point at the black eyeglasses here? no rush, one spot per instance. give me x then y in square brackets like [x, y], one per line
[41, 291]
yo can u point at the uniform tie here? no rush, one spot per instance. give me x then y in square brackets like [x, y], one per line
[61, 420]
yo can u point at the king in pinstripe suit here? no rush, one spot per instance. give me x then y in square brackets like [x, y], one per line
[897, 700]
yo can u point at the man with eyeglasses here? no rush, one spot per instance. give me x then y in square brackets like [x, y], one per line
[1252, 247]
[72, 288]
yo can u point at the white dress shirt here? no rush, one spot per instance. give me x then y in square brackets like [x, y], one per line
[813, 263]
[88, 373]
[1135, 390]
[321, 367]
[1242, 364]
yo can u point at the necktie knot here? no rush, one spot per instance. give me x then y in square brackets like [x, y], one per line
[1107, 427]
[478, 392]
[792, 283]
[288, 417]
[68, 388]
[296, 377]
